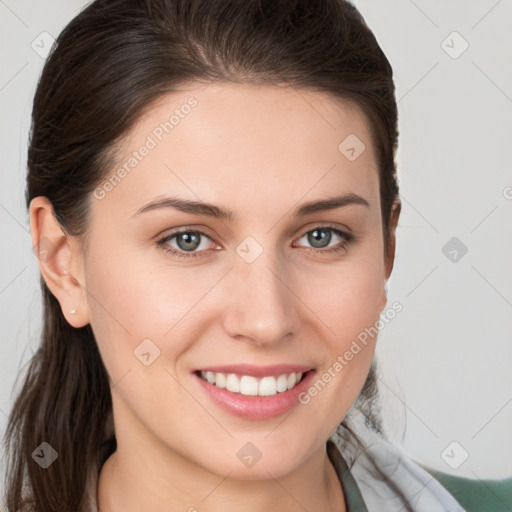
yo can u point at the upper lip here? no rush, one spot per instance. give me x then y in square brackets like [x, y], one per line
[257, 371]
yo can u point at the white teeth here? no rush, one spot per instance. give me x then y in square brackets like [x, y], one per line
[282, 383]
[233, 383]
[268, 386]
[292, 379]
[220, 380]
[249, 385]
[252, 386]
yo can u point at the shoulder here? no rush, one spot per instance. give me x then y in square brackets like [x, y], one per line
[389, 480]
[475, 494]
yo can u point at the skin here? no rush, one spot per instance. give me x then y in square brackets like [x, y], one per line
[260, 152]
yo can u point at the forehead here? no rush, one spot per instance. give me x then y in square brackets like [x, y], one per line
[243, 144]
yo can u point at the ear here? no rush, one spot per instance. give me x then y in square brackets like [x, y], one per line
[389, 251]
[60, 261]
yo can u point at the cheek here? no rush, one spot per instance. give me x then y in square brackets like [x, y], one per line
[347, 298]
[347, 302]
[134, 296]
[122, 300]
[128, 291]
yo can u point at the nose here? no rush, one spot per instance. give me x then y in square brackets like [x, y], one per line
[262, 308]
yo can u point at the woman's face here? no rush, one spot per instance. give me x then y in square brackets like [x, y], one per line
[260, 285]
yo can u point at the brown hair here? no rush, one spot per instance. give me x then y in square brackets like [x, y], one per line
[112, 61]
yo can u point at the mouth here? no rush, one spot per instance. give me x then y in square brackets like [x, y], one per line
[255, 393]
[249, 385]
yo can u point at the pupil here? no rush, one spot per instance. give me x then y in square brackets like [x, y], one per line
[319, 238]
[188, 241]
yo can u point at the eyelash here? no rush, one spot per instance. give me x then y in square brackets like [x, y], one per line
[346, 239]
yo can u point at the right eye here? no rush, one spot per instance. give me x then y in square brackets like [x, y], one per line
[185, 243]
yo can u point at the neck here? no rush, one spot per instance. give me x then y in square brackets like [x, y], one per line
[127, 483]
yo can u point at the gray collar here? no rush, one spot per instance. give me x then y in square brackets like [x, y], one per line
[353, 500]
[382, 478]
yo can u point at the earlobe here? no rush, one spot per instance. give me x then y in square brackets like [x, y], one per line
[60, 261]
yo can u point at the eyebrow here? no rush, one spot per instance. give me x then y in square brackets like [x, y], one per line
[211, 210]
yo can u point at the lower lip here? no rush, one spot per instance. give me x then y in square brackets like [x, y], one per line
[256, 407]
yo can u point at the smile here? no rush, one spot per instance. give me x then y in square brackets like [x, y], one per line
[253, 386]
[255, 392]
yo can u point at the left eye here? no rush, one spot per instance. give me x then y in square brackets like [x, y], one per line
[321, 237]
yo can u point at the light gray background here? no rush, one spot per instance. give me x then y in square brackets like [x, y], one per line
[446, 358]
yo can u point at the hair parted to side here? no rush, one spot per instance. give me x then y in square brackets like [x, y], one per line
[109, 64]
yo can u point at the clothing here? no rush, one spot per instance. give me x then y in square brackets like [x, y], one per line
[381, 479]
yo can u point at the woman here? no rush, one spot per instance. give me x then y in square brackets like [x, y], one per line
[213, 199]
